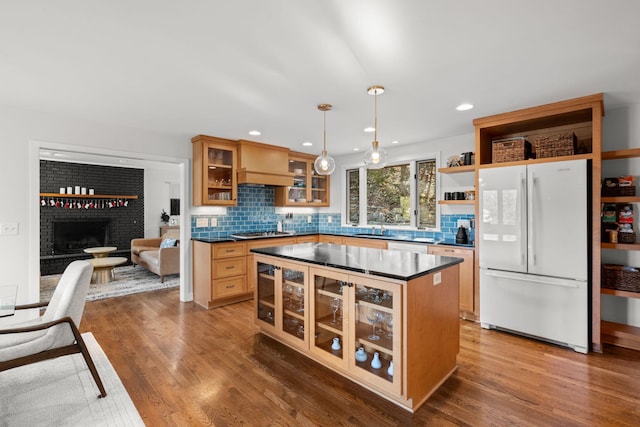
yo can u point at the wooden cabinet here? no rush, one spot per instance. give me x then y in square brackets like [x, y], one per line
[281, 300]
[166, 228]
[308, 308]
[219, 273]
[612, 332]
[308, 189]
[360, 314]
[214, 171]
[468, 286]
[263, 243]
[580, 116]
[353, 241]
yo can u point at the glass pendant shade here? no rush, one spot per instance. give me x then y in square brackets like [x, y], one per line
[375, 157]
[324, 164]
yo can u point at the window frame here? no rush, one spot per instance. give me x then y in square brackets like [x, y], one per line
[413, 193]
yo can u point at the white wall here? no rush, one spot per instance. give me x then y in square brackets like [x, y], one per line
[18, 130]
[621, 129]
[157, 192]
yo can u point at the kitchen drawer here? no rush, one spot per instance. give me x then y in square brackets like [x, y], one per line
[229, 250]
[228, 267]
[307, 239]
[221, 288]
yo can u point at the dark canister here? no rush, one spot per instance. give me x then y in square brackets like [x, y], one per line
[461, 236]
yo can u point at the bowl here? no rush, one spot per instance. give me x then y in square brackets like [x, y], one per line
[297, 171]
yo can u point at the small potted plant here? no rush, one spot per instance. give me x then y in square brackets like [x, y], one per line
[164, 217]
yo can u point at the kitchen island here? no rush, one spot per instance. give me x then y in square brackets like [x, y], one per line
[387, 320]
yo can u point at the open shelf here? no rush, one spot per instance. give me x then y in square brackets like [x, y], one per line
[456, 202]
[87, 196]
[458, 169]
[621, 154]
[619, 293]
[620, 335]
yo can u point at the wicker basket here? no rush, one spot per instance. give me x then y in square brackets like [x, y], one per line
[620, 278]
[611, 188]
[510, 150]
[627, 237]
[563, 144]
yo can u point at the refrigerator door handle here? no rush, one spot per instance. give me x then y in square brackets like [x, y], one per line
[523, 212]
[532, 219]
[532, 280]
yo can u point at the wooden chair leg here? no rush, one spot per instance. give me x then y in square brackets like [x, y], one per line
[89, 361]
[161, 279]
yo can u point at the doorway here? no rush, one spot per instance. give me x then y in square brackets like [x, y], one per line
[94, 156]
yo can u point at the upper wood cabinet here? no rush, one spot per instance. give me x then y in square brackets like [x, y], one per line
[308, 189]
[214, 171]
[581, 116]
[263, 164]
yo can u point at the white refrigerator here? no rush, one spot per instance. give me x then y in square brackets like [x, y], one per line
[533, 239]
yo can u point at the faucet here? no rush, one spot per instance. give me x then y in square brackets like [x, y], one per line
[382, 229]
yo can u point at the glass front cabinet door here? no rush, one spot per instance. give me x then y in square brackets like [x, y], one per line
[281, 300]
[356, 325]
[214, 171]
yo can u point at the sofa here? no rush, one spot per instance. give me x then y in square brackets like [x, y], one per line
[149, 254]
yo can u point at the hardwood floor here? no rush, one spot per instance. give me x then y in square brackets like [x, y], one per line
[183, 365]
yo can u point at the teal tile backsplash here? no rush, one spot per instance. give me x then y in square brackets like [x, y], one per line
[255, 212]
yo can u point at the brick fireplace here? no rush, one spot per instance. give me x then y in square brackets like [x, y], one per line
[78, 226]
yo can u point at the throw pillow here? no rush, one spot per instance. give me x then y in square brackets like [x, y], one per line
[168, 243]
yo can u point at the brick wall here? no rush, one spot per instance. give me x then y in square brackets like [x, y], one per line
[126, 222]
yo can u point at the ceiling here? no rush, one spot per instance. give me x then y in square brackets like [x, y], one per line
[224, 68]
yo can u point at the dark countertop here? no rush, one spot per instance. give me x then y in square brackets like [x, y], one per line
[391, 238]
[398, 265]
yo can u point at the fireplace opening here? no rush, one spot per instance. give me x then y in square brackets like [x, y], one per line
[71, 237]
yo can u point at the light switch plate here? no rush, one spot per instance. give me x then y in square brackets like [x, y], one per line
[329, 220]
[464, 223]
[437, 278]
[202, 222]
[309, 219]
[214, 222]
[9, 229]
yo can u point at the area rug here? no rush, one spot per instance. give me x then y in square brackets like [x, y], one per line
[61, 392]
[129, 280]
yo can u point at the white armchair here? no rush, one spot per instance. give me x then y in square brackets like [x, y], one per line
[55, 333]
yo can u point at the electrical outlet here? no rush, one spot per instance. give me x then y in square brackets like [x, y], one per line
[202, 222]
[214, 222]
[437, 278]
[464, 223]
[329, 220]
[9, 229]
[309, 219]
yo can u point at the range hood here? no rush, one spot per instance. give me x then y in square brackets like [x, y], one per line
[263, 164]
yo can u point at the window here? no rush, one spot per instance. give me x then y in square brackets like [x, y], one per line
[402, 195]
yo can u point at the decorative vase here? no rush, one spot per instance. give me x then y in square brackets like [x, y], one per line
[375, 362]
[336, 344]
[390, 369]
[361, 355]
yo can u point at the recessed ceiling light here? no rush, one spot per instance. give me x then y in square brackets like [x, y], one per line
[356, 149]
[464, 107]
[394, 142]
[307, 144]
[369, 129]
[254, 132]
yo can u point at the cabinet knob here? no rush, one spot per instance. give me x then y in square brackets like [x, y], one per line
[350, 285]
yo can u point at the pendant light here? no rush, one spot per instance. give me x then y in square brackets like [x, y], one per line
[375, 157]
[324, 164]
